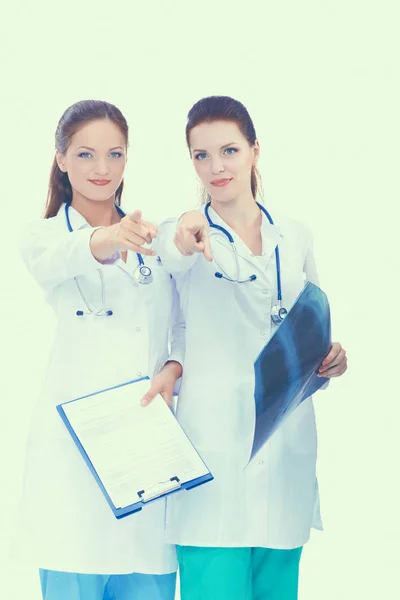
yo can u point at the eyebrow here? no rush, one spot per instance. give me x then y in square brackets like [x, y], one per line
[222, 147]
[93, 150]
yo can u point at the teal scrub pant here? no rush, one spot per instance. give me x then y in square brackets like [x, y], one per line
[238, 573]
[57, 585]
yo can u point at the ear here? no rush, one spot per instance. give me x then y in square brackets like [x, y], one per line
[257, 150]
[60, 158]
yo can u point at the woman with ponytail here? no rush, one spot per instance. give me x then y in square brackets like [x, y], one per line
[85, 255]
[240, 537]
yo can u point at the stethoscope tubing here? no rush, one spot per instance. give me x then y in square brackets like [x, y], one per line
[231, 240]
[143, 278]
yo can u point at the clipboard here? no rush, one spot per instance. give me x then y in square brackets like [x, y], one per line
[174, 482]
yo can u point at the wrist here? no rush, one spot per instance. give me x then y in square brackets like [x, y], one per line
[103, 243]
[175, 367]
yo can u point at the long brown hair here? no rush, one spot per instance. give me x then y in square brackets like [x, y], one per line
[74, 117]
[224, 108]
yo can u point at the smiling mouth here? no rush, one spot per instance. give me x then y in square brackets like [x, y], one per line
[220, 182]
[100, 181]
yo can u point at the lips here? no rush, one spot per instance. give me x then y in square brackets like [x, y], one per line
[100, 181]
[221, 182]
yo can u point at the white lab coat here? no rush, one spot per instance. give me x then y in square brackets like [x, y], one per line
[274, 501]
[65, 522]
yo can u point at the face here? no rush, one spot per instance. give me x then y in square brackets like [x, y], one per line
[95, 160]
[223, 159]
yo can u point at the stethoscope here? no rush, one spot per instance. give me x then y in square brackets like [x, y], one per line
[278, 312]
[142, 275]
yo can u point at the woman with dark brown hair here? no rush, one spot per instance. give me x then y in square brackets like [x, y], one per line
[240, 537]
[116, 308]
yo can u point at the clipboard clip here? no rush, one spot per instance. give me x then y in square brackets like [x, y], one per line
[160, 488]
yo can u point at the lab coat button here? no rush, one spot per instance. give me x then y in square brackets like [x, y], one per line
[265, 291]
[260, 462]
[137, 328]
[262, 333]
[139, 373]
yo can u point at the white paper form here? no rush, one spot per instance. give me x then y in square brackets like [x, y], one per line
[131, 447]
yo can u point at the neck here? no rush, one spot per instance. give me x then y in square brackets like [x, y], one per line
[239, 213]
[95, 212]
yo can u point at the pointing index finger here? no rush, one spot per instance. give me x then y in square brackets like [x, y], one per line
[207, 247]
[136, 216]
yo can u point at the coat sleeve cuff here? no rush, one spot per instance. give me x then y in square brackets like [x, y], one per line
[177, 357]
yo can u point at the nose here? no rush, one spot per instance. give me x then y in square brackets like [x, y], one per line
[102, 167]
[217, 166]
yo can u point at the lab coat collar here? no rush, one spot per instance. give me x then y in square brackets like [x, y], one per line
[270, 234]
[75, 217]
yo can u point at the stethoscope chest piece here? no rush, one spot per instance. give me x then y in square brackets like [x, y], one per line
[143, 274]
[278, 314]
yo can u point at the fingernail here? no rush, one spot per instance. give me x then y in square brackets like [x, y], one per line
[143, 402]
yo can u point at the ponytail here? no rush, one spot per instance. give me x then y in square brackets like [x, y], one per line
[60, 191]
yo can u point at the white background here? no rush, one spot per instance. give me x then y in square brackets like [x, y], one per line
[320, 79]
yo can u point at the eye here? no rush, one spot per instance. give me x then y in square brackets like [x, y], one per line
[84, 155]
[115, 154]
[201, 156]
[230, 151]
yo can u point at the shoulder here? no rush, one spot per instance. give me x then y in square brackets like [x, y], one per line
[42, 227]
[45, 225]
[297, 239]
[40, 232]
[292, 227]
